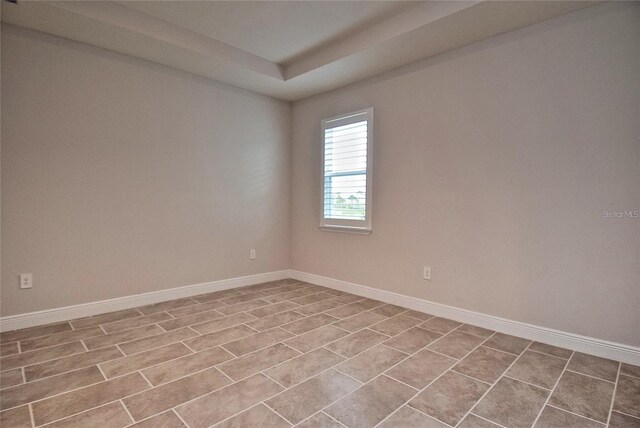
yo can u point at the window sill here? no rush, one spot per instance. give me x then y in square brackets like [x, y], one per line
[346, 229]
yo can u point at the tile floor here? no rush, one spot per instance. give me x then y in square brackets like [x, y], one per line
[289, 353]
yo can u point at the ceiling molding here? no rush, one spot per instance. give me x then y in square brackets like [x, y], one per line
[403, 36]
[409, 19]
[115, 14]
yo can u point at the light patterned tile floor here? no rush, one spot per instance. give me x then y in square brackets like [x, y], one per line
[290, 353]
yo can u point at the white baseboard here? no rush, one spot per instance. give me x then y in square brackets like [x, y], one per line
[602, 348]
[31, 319]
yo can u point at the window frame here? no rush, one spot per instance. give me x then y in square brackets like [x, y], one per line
[363, 227]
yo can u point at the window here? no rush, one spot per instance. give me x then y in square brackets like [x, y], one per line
[346, 172]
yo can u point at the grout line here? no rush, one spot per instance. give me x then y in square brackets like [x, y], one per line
[260, 372]
[473, 334]
[187, 346]
[426, 348]
[349, 334]
[399, 381]
[270, 315]
[220, 329]
[506, 352]
[179, 417]
[68, 371]
[546, 402]
[251, 328]
[154, 346]
[190, 327]
[33, 419]
[575, 414]
[222, 346]
[384, 334]
[76, 368]
[613, 397]
[60, 393]
[127, 396]
[57, 344]
[548, 355]
[470, 377]
[375, 377]
[45, 361]
[629, 375]
[528, 383]
[510, 353]
[83, 411]
[263, 373]
[117, 345]
[330, 417]
[416, 318]
[420, 390]
[370, 326]
[333, 367]
[591, 376]
[402, 352]
[439, 332]
[299, 334]
[101, 372]
[626, 414]
[201, 396]
[515, 360]
[299, 354]
[485, 419]
[145, 378]
[62, 343]
[270, 408]
[124, 356]
[127, 410]
[223, 373]
[178, 378]
[218, 423]
[40, 336]
[346, 331]
[164, 330]
[427, 415]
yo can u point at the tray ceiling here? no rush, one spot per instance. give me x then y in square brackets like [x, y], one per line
[288, 50]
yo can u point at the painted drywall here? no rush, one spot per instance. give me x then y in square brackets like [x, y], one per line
[494, 164]
[122, 177]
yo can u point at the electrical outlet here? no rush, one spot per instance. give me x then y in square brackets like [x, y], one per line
[252, 254]
[426, 274]
[26, 280]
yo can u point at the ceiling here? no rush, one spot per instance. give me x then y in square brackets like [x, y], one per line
[275, 30]
[289, 50]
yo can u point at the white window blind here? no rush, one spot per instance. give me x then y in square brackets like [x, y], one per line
[346, 192]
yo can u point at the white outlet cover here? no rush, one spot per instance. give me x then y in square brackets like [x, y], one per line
[26, 280]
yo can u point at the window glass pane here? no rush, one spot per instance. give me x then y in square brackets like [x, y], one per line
[345, 197]
[346, 148]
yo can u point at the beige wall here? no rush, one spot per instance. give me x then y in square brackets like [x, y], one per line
[121, 177]
[494, 164]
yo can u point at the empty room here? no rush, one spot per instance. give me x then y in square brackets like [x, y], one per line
[332, 214]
